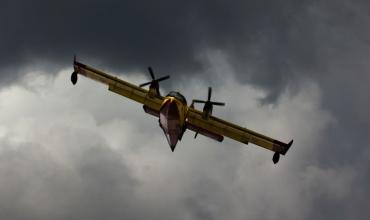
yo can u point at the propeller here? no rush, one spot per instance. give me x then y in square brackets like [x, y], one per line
[209, 102]
[208, 106]
[154, 81]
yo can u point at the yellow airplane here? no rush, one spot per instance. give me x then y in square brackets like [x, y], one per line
[175, 116]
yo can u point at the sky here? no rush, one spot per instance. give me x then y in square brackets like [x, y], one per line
[288, 69]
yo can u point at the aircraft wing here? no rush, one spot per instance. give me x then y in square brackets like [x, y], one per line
[152, 103]
[216, 128]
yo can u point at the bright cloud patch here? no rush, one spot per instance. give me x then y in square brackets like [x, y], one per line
[81, 151]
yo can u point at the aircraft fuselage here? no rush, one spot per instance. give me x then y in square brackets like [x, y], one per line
[172, 117]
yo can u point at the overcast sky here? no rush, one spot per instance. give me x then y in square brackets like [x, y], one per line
[289, 69]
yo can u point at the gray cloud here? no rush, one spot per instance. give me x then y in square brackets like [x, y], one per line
[36, 185]
[103, 157]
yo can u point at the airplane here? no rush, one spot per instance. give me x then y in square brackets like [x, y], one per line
[175, 116]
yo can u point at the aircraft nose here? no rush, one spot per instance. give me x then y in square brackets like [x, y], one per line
[172, 139]
[169, 121]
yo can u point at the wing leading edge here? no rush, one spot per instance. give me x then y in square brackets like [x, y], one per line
[121, 87]
[221, 127]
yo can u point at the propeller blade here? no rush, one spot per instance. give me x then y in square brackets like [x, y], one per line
[151, 73]
[144, 84]
[198, 101]
[218, 103]
[209, 93]
[163, 78]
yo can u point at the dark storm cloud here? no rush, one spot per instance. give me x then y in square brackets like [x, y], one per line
[126, 35]
[269, 44]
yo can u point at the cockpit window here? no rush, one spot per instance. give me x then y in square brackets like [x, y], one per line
[178, 96]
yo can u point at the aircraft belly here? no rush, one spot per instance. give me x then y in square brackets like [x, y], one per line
[169, 120]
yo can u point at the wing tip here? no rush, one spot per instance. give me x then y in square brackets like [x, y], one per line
[276, 156]
[287, 146]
